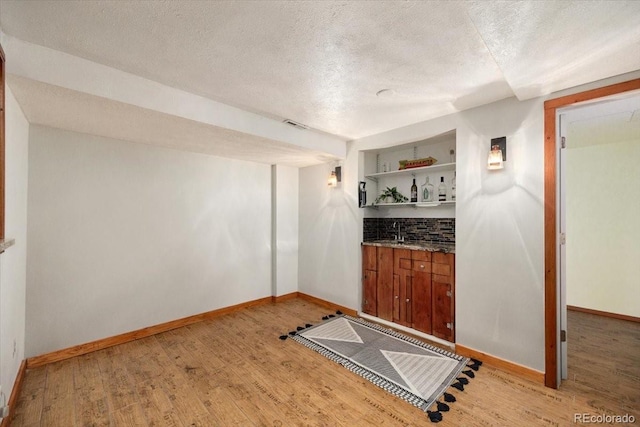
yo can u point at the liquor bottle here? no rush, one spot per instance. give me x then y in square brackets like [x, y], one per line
[442, 190]
[414, 191]
[425, 190]
[453, 187]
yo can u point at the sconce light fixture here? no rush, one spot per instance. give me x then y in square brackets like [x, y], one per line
[335, 177]
[498, 153]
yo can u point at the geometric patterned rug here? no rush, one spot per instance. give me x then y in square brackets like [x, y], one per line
[403, 366]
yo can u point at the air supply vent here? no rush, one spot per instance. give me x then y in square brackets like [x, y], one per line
[295, 124]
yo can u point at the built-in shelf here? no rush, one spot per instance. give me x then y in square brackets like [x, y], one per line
[413, 171]
[413, 204]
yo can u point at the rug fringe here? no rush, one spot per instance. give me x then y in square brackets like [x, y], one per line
[442, 407]
[469, 373]
[434, 416]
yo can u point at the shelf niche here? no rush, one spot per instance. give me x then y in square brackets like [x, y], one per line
[378, 179]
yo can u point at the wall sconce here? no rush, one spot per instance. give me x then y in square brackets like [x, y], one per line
[335, 177]
[498, 153]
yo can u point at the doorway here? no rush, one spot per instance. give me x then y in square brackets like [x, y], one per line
[552, 292]
[598, 209]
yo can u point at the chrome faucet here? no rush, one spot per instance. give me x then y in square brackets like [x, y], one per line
[398, 237]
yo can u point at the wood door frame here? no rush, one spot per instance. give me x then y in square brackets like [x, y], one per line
[550, 209]
[2, 142]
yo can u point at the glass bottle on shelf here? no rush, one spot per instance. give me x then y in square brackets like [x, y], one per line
[442, 190]
[453, 186]
[414, 192]
[427, 191]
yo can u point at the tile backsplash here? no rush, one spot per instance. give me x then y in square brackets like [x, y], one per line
[427, 230]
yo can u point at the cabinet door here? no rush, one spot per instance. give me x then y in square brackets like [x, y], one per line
[369, 292]
[402, 286]
[384, 296]
[402, 298]
[369, 255]
[421, 301]
[443, 306]
[443, 295]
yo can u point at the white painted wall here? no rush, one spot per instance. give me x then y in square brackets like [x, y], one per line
[329, 234]
[499, 229]
[14, 260]
[124, 236]
[603, 231]
[285, 192]
[499, 226]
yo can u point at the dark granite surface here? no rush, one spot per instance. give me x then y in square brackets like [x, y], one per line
[416, 246]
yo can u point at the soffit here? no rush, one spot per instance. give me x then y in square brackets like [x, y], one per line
[58, 107]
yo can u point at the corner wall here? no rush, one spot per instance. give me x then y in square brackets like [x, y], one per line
[329, 246]
[123, 236]
[13, 261]
[285, 217]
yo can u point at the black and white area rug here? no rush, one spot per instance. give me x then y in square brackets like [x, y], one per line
[406, 367]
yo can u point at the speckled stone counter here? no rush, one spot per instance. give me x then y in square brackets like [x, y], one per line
[416, 246]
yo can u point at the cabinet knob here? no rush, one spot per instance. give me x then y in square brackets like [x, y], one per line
[407, 299]
[421, 265]
[396, 297]
[449, 325]
[449, 293]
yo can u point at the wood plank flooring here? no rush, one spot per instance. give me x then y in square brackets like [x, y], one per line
[234, 371]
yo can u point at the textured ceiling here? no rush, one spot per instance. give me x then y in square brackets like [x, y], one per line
[321, 63]
[84, 113]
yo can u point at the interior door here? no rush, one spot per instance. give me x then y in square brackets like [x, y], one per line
[562, 249]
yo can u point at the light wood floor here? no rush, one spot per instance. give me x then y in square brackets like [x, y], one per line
[234, 370]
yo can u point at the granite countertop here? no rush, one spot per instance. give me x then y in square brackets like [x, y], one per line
[416, 246]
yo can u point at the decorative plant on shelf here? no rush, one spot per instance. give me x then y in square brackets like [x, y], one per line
[391, 195]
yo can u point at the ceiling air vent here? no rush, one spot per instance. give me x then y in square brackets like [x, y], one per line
[295, 124]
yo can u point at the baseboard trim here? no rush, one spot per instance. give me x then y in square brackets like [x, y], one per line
[504, 365]
[15, 394]
[285, 297]
[78, 350]
[328, 304]
[604, 313]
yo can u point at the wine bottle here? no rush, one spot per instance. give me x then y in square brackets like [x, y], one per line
[453, 187]
[414, 191]
[442, 190]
